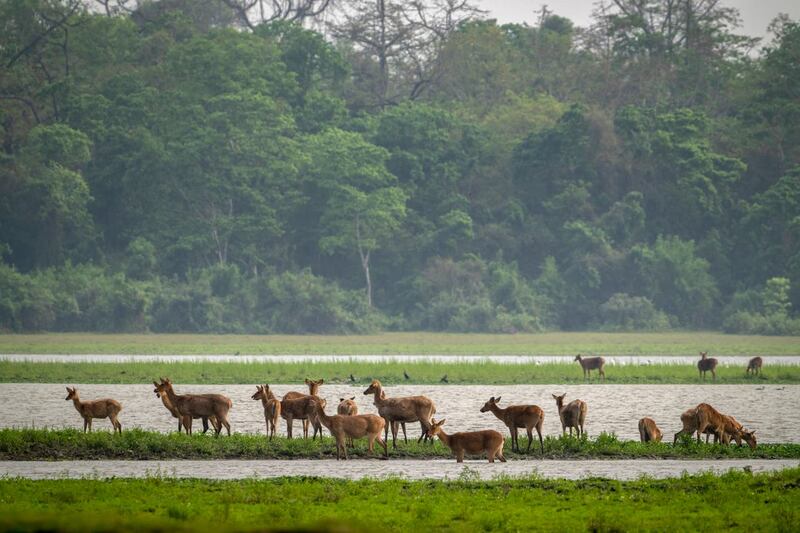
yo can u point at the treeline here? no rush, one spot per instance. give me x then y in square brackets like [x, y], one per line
[184, 165]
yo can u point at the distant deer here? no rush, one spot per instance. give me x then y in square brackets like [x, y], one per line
[518, 416]
[572, 415]
[272, 407]
[347, 407]
[301, 408]
[754, 365]
[313, 390]
[736, 431]
[171, 408]
[344, 427]
[470, 442]
[705, 364]
[591, 363]
[405, 409]
[192, 406]
[648, 431]
[699, 419]
[105, 408]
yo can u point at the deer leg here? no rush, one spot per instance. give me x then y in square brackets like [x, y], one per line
[85, 425]
[205, 424]
[701, 428]
[180, 425]
[90, 424]
[305, 428]
[187, 423]
[530, 438]
[394, 435]
[460, 456]
[384, 444]
[289, 427]
[514, 439]
[713, 375]
[499, 454]
[603, 374]
[539, 431]
[227, 426]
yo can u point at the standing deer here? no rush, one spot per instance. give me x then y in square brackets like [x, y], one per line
[734, 430]
[192, 406]
[705, 364]
[648, 431]
[518, 416]
[699, 419]
[171, 408]
[471, 442]
[301, 408]
[105, 408]
[591, 363]
[754, 365]
[344, 427]
[347, 407]
[272, 407]
[310, 418]
[572, 415]
[405, 409]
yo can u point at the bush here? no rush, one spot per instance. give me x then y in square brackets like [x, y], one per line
[622, 312]
[759, 324]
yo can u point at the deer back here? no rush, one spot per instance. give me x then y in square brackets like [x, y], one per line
[711, 417]
[101, 408]
[592, 363]
[571, 413]
[708, 363]
[199, 405]
[755, 362]
[300, 408]
[474, 442]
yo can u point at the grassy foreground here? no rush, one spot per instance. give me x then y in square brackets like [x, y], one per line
[736, 500]
[423, 343]
[388, 373]
[43, 444]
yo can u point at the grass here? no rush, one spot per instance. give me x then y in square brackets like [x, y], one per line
[423, 343]
[388, 373]
[731, 501]
[62, 444]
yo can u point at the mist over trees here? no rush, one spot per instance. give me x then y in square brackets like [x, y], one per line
[350, 165]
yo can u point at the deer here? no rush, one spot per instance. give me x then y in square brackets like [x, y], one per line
[698, 419]
[344, 427]
[104, 408]
[405, 409]
[754, 365]
[736, 431]
[591, 363]
[705, 364]
[471, 442]
[301, 408]
[272, 407]
[572, 415]
[313, 390]
[171, 408]
[648, 430]
[192, 406]
[348, 407]
[518, 416]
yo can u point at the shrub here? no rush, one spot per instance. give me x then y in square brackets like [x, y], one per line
[628, 313]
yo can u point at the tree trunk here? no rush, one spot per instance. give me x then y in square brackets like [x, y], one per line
[364, 261]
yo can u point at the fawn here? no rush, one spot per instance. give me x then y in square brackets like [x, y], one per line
[105, 408]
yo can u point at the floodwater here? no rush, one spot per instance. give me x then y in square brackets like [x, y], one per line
[772, 410]
[372, 468]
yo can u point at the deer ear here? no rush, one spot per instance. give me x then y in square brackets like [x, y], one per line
[497, 400]
[441, 422]
[341, 400]
[306, 381]
[554, 396]
[321, 381]
[352, 397]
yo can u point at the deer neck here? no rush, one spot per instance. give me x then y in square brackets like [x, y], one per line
[78, 404]
[378, 400]
[498, 412]
[444, 437]
[168, 404]
[173, 398]
[325, 419]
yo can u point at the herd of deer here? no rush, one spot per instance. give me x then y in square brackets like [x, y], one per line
[394, 413]
[705, 364]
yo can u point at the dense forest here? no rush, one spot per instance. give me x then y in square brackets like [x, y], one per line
[357, 165]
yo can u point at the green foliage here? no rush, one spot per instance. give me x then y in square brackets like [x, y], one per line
[631, 313]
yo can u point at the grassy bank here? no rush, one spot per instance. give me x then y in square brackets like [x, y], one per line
[388, 373]
[43, 444]
[735, 500]
[678, 343]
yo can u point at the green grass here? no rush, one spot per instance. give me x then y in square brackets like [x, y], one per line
[732, 501]
[388, 373]
[59, 444]
[424, 343]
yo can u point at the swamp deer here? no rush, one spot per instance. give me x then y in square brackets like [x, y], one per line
[405, 409]
[734, 430]
[471, 442]
[301, 408]
[754, 365]
[313, 390]
[171, 408]
[105, 408]
[705, 364]
[699, 419]
[351, 427]
[348, 407]
[572, 415]
[272, 407]
[591, 363]
[192, 406]
[648, 430]
[518, 416]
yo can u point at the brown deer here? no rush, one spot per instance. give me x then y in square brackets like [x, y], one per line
[105, 408]
[591, 363]
[471, 442]
[648, 431]
[301, 408]
[313, 390]
[192, 406]
[344, 427]
[698, 419]
[347, 407]
[272, 407]
[518, 416]
[734, 430]
[754, 365]
[705, 364]
[572, 415]
[405, 409]
[174, 412]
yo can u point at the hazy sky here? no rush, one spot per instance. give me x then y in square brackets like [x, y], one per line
[756, 15]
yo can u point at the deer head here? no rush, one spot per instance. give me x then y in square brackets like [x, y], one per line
[703, 355]
[750, 438]
[492, 402]
[374, 386]
[71, 393]
[578, 357]
[435, 428]
[259, 394]
[560, 400]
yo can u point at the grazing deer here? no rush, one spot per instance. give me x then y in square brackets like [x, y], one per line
[351, 427]
[272, 407]
[754, 365]
[171, 408]
[301, 408]
[347, 407]
[105, 408]
[313, 390]
[405, 409]
[192, 406]
[471, 442]
[591, 363]
[699, 419]
[648, 431]
[705, 364]
[572, 415]
[734, 430]
[518, 416]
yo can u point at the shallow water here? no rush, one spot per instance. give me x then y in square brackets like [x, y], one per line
[357, 469]
[774, 411]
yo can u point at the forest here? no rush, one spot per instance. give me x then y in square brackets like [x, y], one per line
[348, 166]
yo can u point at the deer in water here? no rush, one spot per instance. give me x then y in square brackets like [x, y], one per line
[469, 442]
[301, 408]
[518, 416]
[272, 407]
[591, 363]
[754, 365]
[105, 408]
[736, 431]
[699, 419]
[192, 406]
[310, 417]
[648, 431]
[572, 415]
[405, 409]
[706, 364]
[171, 408]
[344, 427]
